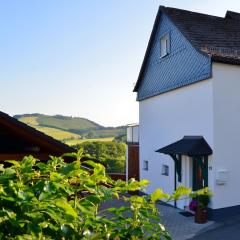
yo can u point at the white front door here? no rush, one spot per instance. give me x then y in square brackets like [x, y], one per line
[186, 180]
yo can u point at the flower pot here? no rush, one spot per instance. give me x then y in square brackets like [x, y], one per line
[200, 215]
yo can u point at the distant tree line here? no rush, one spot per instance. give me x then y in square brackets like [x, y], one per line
[121, 138]
[111, 154]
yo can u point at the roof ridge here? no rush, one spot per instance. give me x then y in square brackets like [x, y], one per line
[182, 18]
[189, 11]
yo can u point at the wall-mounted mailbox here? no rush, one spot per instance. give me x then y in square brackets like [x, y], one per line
[222, 177]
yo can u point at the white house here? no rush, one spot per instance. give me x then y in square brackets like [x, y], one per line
[189, 106]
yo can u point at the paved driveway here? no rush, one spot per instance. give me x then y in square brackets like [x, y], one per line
[229, 229]
[180, 227]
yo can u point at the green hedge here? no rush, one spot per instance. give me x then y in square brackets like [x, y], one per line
[59, 200]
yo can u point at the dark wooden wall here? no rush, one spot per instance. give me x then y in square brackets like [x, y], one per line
[133, 161]
[116, 176]
[11, 142]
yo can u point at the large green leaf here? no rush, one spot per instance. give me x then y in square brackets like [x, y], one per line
[63, 204]
[159, 194]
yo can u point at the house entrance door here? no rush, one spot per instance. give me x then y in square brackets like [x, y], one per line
[200, 172]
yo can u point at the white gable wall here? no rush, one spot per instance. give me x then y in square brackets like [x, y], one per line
[210, 108]
[165, 119]
[226, 100]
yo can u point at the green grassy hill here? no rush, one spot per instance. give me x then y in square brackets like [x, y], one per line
[70, 129]
[58, 121]
[58, 134]
[74, 142]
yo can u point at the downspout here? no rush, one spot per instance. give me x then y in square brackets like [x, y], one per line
[175, 176]
[175, 183]
[177, 170]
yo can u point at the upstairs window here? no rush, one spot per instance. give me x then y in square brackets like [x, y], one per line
[164, 45]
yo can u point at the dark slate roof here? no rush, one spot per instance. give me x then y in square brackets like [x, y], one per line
[25, 129]
[188, 145]
[217, 37]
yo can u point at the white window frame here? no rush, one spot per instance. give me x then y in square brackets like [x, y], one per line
[164, 45]
[145, 165]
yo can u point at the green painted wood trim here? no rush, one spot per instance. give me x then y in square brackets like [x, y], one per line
[194, 177]
[197, 160]
[179, 168]
[205, 171]
[178, 165]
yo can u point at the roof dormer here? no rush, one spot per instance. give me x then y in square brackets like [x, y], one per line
[232, 15]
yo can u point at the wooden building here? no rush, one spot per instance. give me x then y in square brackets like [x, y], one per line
[17, 140]
[132, 155]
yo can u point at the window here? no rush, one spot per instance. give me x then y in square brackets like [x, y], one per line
[165, 170]
[145, 165]
[164, 45]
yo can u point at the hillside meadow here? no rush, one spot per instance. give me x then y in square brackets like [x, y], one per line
[72, 130]
[73, 142]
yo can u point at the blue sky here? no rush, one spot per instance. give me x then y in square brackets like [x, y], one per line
[79, 57]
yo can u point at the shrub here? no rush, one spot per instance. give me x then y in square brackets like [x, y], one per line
[59, 200]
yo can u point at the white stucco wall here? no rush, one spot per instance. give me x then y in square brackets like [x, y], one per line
[226, 102]
[168, 117]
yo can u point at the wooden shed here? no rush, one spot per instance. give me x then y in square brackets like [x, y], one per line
[132, 158]
[17, 140]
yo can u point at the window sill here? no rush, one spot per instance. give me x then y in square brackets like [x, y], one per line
[164, 55]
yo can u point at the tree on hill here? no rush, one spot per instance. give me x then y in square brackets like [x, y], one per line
[111, 154]
[121, 138]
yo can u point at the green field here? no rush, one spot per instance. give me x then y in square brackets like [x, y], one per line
[103, 133]
[57, 121]
[72, 142]
[30, 120]
[67, 123]
[71, 129]
[57, 133]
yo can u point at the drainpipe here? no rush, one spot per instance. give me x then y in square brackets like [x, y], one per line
[175, 175]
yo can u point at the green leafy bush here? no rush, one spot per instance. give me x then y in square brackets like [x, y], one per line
[59, 200]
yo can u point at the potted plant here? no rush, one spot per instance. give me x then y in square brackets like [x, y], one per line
[199, 203]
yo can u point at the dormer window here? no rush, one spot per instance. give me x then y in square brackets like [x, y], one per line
[164, 45]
